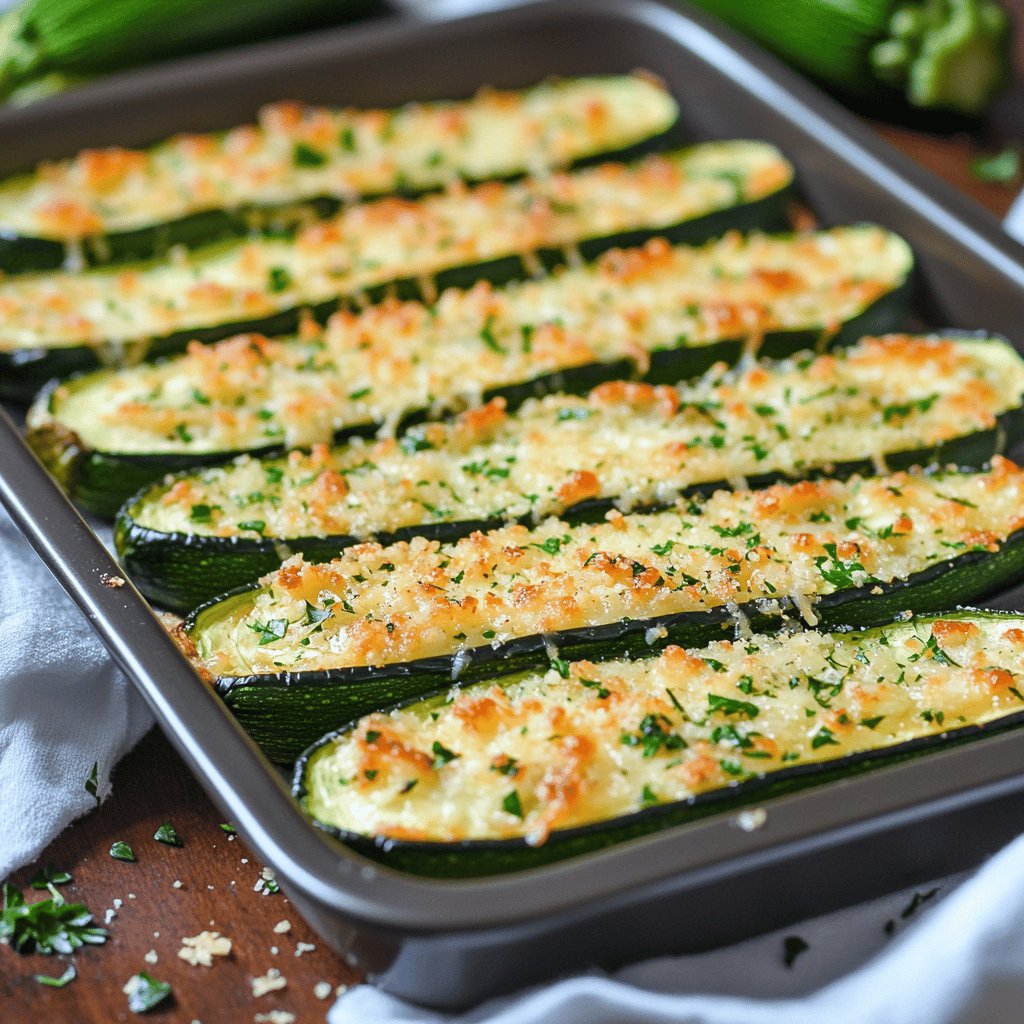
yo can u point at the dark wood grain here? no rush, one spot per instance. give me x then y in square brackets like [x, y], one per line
[152, 786]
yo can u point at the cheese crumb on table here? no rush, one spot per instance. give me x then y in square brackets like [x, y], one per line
[322, 989]
[275, 1017]
[282, 927]
[202, 948]
[269, 982]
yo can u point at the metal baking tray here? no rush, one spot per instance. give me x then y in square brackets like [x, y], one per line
[449, 943]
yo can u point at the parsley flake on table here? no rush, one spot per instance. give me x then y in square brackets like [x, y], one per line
[144, 992]
[48, 979]
[49, 875]
[47, 926]
[92, 783]
[168, 835]
[122, 851]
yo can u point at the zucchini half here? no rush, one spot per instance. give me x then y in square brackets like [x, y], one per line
[110, 205]
[665, 313]
[57, 323]
[908, 401]
[644, 745]
[312, 646]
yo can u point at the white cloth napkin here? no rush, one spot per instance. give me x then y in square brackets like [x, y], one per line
[962, 964]
[63, 707]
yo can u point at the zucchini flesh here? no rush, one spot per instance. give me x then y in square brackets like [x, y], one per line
[313, 645]
[666, 312]
[475, 782]
[106, 205]
[495, 230]
[905, 400]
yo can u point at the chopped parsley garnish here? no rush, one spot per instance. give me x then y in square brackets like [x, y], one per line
[512, 804]
[168, 835]
[560, 666]
[592, 684]
[842, 572]
[304, 155]
[274, 474]
[504, 764]
[488, 338]
[900, 410]
[553, 544]
[122, 851]
[256, 525]
[654, 735]
[347, 139]
[182, 432]
[937, 653]
[270, 631]
[731, 706]
[278, 279]
[201, 513]
[47, 926]
[314, 615]
[442, 755]
[823, 738]
[648, 798]
[359, 393]
[871, 723]
[144, 992]
[663, 549]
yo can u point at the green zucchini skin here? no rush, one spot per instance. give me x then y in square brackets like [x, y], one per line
[182, 570]
[21, 254]
[103, 482]
[477, 858]
[24, 372]
[285, 713]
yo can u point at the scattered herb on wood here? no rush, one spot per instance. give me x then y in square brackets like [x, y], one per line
[168, 835]
[47, 926]
[122, 851]
[144, 992]
[68, 976]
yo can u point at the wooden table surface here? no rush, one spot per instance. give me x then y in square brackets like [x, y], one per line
[217, 874]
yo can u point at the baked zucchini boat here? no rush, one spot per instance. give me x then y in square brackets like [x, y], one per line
[665, 313]
[517, 772]
[56, 323]
[313, 645]
[106, 205]
[905, 400]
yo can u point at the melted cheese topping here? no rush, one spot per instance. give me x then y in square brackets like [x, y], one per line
[298, 152]
[375, 243]
[635, 443]
[377, 605]
[379, 365]
[525, 758]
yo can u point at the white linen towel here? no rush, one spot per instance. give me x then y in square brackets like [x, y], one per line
[63, 707]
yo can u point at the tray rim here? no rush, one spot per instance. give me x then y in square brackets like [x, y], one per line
[249, 790]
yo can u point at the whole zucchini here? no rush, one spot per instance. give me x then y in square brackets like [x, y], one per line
[110, 205]
[312, 646]
[905, 400]
[942, 54]
[643, 745]
[667, 313]
[57, 323]
[88, 37]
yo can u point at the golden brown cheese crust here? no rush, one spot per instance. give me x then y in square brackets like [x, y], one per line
[374, 243]
[377, 605]
[378, 365]
[636, 443]
[592, 742]
[298, 152]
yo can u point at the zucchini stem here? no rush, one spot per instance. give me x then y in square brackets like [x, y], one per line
[948, 54]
